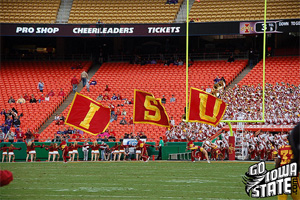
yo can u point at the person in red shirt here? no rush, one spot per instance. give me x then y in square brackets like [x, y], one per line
[112, 133]
[119, 97]
[106, 97]
[285, 156]
[76, 146]
[31, 150]
[4, 149]
[26, 97]
[191, 146]
[11, 152]
[95, 151]
[50, 149]
[42, 98]
[63, 146]
[19, 135]
[107, 89]
[74, 83]
[51, 94]
[71, 153]
[61, 93]
[36, 136]
[145, 155]
[139, 147]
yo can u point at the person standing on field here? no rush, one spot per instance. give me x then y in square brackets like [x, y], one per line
[84, 78]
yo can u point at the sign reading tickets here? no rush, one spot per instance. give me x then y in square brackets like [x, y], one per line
[205, 108]
[88, 115]
[149, 110]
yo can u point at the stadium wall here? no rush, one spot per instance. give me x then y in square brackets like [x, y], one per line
[129, 30]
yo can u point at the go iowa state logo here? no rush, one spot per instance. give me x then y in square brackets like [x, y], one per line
[260, 182]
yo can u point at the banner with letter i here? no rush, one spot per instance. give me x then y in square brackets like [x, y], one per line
[149, 110]
[205, 108]
[88, 115]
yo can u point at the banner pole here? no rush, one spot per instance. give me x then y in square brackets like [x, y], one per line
[264, 60]
[187, 63]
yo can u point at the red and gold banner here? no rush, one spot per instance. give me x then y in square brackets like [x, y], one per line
[205, 108]
[88, 115]
[149, 110]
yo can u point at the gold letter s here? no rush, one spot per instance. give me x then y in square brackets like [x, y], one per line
[148, 106]
[89, 116]
[203, 105]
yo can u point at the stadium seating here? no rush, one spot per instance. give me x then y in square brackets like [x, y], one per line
[226, 10]
[278, 69]
[158, 79]
[19, 78]
[119, 11]
[29, 11]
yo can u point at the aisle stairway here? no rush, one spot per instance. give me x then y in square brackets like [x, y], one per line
[69, 99]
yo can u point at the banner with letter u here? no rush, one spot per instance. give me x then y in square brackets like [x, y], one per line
[205, 108]
[149, 110]
[88, 115]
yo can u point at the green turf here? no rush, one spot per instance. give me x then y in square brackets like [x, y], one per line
[126, 180]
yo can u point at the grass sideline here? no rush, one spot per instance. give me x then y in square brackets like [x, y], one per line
[126, 180]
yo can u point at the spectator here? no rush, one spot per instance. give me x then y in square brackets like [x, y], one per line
[42, 98]
[48, 139]
[172, 99]
[32, 100]
[56, 117]
[112, 133]
[26, 97]
[61, 93]
[28, 135]
[87, 85]
[223, 79]
[180, 63]
[143, 136]
[208, 90]
[106, 97]
[113, 117]
[47, 98]
[119, 97]
[114, 97]
[172, 121]
[74, 83]
[130, 121]
[123, 112]
[10, 136]
[21, 100]
[123, 121]
[19, 135]
[41, 86]
[51, 94]
[163, 100]
[230, 59]
[2, 136]
[94, 82]
[118, 112]
[100, 97]
[107, 89]
[17, 122]
[36, 136]
[84, 77]
[216, 80]
[11, 100]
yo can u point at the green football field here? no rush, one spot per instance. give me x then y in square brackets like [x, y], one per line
[126, 180]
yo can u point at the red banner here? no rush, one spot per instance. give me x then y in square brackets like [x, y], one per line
[88, 115]
[149, 110]
[205, 108]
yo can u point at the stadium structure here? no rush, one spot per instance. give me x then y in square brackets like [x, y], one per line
[141, 44]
